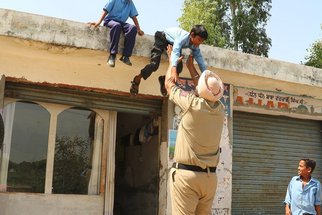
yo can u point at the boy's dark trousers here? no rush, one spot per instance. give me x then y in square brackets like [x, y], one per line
[116, 29]
[160, 45]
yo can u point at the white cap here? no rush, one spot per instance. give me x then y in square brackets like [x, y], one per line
[210, 86]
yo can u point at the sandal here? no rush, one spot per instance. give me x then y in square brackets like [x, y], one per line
[134, 90]
[163, 90]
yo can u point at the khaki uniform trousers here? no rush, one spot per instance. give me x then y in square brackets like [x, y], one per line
[192, 193]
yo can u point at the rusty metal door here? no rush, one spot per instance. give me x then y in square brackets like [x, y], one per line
[266, 152]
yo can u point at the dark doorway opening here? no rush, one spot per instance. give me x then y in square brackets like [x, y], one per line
[136, 165]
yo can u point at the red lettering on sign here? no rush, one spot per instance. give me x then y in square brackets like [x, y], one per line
[240, 100]
[270, 104]
[282, 105]
[250, 101]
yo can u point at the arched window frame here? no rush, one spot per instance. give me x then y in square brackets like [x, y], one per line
[54, 110]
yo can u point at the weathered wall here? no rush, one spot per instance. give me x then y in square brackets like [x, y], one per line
[22, 203]
[236, 68]
[50, 50]
[59, 31]
[84, 68]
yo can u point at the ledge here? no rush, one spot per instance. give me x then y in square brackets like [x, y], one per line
[76, 34]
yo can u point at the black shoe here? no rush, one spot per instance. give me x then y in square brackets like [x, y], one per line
[163, 90]
[126, 60]
[111, 60]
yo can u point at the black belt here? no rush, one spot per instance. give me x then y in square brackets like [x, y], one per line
[193, 168]
[307, 214]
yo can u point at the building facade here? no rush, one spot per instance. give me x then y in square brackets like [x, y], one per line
[76, 141]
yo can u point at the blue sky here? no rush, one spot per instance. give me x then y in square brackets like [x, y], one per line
[293, 26]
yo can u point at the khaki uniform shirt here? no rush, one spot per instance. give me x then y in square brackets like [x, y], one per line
[199, 131]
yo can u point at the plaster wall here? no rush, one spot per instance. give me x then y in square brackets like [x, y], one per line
[73, 45]
[22, 203]
[40, 49]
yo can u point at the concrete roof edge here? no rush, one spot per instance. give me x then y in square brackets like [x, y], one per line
[261, 66]
[70, 33]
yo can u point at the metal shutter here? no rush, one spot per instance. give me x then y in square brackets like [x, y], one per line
[266, 152]
[83, 98]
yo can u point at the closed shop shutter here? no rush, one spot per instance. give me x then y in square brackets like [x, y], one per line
[83, 98]
[266, 152]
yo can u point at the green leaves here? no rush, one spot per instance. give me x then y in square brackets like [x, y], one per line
[315, 55]
[203, 12]
[234, 24]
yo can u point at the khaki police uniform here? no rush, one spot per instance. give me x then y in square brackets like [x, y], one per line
[193, 180]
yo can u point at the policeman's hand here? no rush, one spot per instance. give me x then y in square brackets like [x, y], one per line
[189, 61]
[169, 51]
[174, 74]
